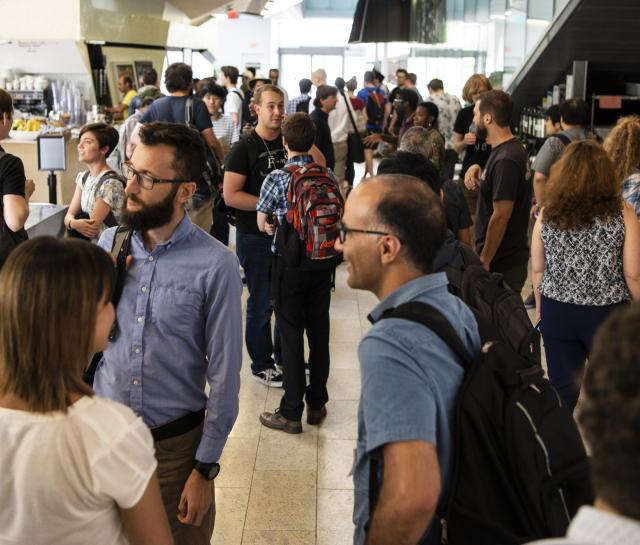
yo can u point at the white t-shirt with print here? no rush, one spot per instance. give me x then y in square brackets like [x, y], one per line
[111, 192]
[63, 476]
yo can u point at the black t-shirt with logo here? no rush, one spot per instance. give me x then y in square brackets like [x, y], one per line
[254, 158]
[476, 154]
[507, 177]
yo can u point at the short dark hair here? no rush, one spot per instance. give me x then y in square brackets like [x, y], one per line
[339, 83]
[410, 96]
[274, 70]
[178, 77]
[432, 110]
[553, 113]
[189, 156]
[105, 134]
[401, 70]
[415, 214]
[412, 77]
[575, 111]
[150, 76]
[368, 77]
[322, 92]
[128, 80]
[412, 164]
[299, 131]
[231, 73]
[208, 86]
[499, 105]
[610, 412]
[436, 85]
[6, 102]
[305, 85]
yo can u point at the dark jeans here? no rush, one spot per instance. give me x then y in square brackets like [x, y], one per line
[567, 331]
[220, 227]
[516, 277]
[254, 253]
[302, 300]
[450, 160]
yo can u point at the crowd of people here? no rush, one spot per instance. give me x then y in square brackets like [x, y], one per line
[109, 337]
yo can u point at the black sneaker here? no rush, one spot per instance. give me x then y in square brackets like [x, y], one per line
[269, 377]
[530, 302]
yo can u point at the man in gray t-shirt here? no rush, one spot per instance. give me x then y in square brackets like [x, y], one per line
[574, 116]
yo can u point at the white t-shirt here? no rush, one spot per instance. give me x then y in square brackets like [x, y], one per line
[233, 103]
[63, 476]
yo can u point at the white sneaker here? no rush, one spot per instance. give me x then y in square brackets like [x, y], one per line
[269, 377]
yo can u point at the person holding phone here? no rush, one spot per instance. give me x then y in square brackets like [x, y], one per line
[77, 468]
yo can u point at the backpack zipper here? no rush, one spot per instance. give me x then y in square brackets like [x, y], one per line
[546, 456]
[444, 536]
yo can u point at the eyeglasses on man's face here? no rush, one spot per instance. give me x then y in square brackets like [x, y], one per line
[343, 231]
[145, 180]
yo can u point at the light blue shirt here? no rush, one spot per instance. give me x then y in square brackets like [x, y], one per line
[410, 380]
[180, 322]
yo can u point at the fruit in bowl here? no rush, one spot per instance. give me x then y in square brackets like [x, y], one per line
[29, 125]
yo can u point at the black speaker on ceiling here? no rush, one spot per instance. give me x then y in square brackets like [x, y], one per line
[421, 21]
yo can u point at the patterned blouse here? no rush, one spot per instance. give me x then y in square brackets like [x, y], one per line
[111, 192]
[631, 190]
[584, 267]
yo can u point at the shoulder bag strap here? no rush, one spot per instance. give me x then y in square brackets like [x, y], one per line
[353, 122]
[188, 110]
[85, 177]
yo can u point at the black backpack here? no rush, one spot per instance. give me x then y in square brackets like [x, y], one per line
[519, 468]
[8, 238]
[209, 184]
[303, 106]
[245, 116]
[504, 315]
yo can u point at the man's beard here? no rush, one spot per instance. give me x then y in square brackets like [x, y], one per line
[149, 216]
[481, 132]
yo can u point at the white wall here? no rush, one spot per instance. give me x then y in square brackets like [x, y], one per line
[40, 19]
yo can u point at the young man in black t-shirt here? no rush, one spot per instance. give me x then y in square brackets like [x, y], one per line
[506, 192]
[15, 190]
[251, 159]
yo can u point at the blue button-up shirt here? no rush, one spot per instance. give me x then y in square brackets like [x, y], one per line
[410, 380]
[180, 322]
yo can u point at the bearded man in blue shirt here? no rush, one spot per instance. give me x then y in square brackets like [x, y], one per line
[179, 326]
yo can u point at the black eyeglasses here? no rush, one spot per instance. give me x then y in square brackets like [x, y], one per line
[343, 231]
[144, 180]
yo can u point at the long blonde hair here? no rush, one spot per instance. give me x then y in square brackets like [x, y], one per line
[49, 294]
[623, 146]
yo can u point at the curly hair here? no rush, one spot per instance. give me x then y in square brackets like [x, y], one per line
[623, 146]
[610, 413]
[582, 187]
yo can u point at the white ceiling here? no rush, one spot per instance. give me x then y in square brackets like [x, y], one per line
[199, 10]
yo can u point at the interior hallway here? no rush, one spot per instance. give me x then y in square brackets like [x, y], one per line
[281, 489]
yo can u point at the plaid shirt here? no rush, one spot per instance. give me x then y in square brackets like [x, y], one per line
[631, 191]
[273, 193]
[293, 103]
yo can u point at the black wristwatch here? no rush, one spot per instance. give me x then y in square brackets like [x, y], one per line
[208, 471]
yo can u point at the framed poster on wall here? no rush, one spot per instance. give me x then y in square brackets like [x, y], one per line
[123, 69]
[140, 67]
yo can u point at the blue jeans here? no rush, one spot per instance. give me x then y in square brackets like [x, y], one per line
[254, 253]
[568, 331]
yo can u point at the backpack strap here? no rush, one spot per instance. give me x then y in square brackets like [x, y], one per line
[85, 177]
[120, 249]
[562, 137]
[430, 317]
[188, 110]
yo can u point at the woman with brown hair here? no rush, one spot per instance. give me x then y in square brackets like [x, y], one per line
[623, 147]
[76, 468]
[585, 257]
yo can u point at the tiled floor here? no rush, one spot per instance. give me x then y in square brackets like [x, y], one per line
[281, 489]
